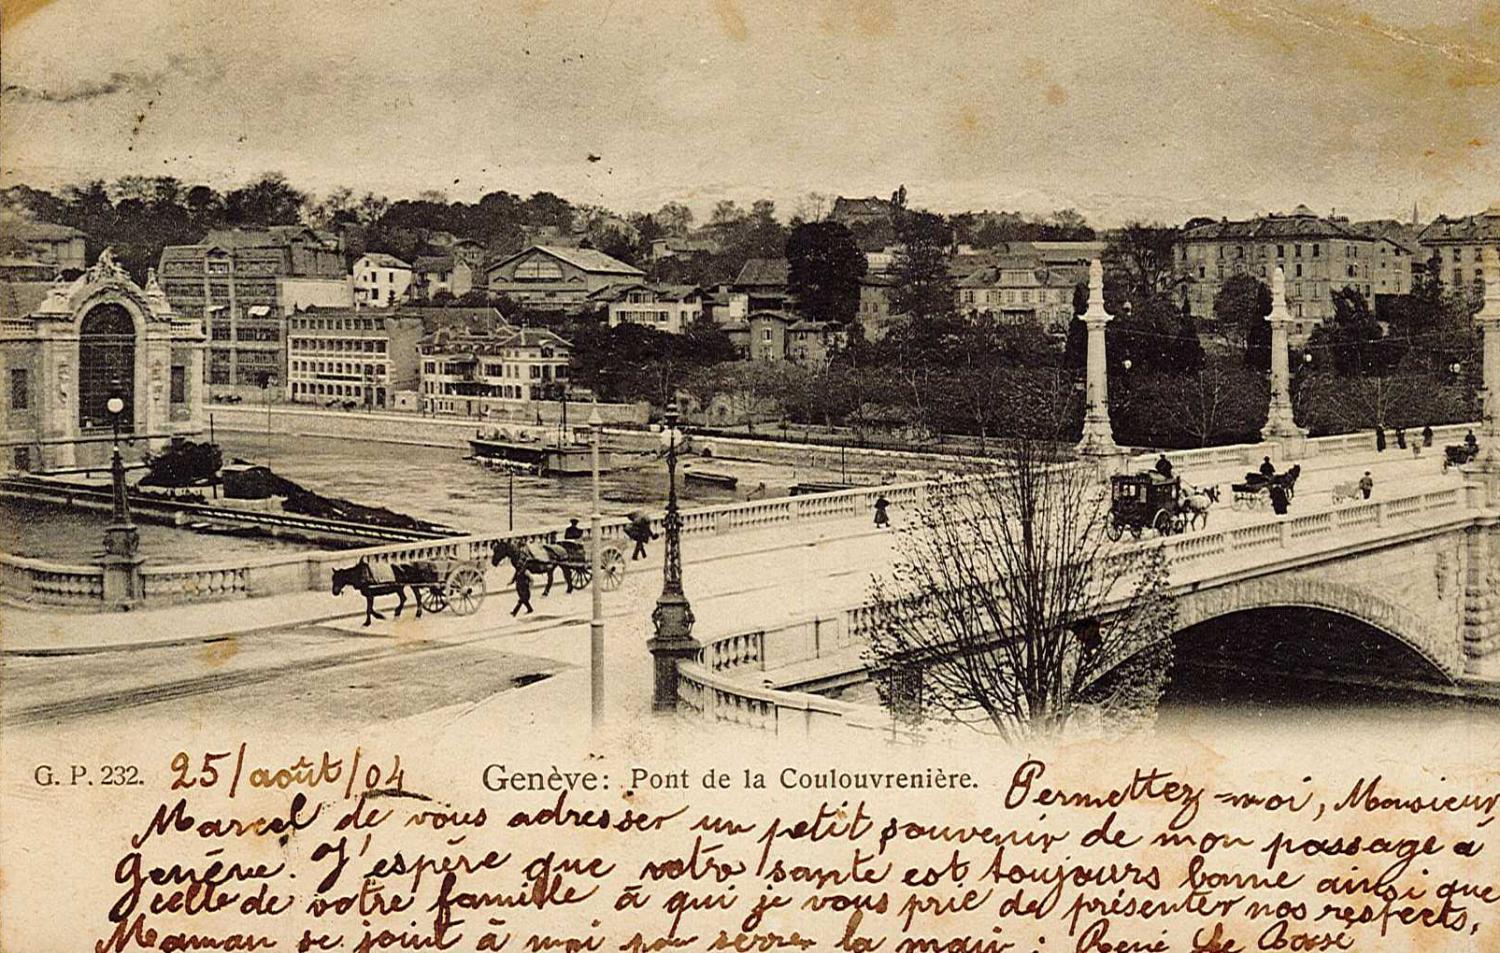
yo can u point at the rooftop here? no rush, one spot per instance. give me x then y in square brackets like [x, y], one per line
[1302, 222]
[382, 260]
[585, 259]
[1471, 228]
[18, 299]
[42, 231]
[764, 272]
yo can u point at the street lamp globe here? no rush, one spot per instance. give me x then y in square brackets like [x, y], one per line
[115, 405]
[1126, 363]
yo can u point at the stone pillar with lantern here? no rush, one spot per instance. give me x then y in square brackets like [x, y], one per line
[1281, 425]
[672, 618]
[122, 540]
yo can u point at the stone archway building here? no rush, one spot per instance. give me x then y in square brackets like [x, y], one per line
[63, 346]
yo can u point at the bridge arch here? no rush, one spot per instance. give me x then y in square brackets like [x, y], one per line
[1442, 651]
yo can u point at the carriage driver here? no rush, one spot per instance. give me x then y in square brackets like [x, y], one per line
[1164, 466]
[574, 531]
[1267, 468]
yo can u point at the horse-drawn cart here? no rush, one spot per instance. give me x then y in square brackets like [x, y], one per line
[456, 584]
[460, 588]
[546, 558]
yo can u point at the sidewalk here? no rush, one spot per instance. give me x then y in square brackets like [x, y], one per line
[40, 632]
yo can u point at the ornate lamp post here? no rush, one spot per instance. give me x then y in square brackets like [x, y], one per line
[596, 617]
[122, 541]
[673, 616]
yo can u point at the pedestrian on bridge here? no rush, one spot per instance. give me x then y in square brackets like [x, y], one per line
[1379, 439]
[1427, 436]
[1401, 437]
[522, 580]
[882, 519]
[1366, 484]
[1471, 442]
[1279, 500]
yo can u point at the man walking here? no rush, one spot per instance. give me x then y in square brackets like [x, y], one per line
[1366, 484]
[522, 580]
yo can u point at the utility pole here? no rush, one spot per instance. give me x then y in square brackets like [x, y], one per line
[596, 590]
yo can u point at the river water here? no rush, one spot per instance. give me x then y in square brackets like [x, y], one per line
[431, 483]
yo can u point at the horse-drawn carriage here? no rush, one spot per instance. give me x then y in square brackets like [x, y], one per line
[1141, 500]
[1458, 454]
[1255, 492]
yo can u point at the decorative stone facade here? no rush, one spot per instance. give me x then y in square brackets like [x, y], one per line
[51, 358]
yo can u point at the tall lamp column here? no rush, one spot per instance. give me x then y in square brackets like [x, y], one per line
[596, 591]
[122, 541]
[672, 618]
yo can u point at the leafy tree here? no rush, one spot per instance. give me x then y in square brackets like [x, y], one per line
[1240, 308]
[674, 218]
[1140, 256]
[269, 200]
[1351, 339]
[825, 266]
[923, 287]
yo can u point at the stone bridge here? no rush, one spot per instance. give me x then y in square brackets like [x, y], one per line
[1422, 570]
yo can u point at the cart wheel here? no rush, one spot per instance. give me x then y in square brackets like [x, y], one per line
[611, 569]
[431, 599]
[465, 590]
[1162, 523]
[579, 578]
[1113, 532]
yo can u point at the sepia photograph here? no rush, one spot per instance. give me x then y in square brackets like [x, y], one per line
[976, 477]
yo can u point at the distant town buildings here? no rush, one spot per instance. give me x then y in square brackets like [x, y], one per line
[380, 281]
[505, 369]
[1318, 254]
[853, 213]
[874, 315]
[1458, 242]
[764, 283]
[703, 243]
[434, 275]
[233, 281]
[61, 248]
[552, 277]
[349, 355]
[669, 308]
[65, 347]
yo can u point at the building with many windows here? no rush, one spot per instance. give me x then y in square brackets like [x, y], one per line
[1319, 255]
[669, 308]
[1457, 243]
[505, 369]
[380, 281]
[65, 347]
[347, 355]
[875, 316]
[232, 280]
[1018, 291]
[554, 277]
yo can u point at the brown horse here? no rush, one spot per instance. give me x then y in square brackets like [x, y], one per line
[538, 558]
[362, 577]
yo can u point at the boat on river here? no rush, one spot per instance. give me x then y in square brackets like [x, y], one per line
[545, 458]
[724, 481]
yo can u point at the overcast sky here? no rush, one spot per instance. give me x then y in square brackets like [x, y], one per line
[1120, 108]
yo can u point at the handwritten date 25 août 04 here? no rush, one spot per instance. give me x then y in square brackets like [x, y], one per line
[356, 772]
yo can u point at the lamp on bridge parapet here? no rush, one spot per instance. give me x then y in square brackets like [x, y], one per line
[672, 618]
[122, 540]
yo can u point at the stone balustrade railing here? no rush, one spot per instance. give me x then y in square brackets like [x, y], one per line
[724, 683]
[63, 585]
[50, 584]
